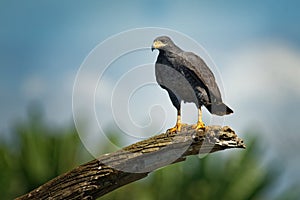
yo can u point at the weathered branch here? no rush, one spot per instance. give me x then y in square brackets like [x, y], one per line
[113, 170]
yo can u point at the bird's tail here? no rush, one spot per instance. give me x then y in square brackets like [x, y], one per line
[219, 109]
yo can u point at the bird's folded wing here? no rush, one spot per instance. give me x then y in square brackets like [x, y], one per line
[201, 70]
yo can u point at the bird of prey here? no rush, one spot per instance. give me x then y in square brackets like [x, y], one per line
[186, 77]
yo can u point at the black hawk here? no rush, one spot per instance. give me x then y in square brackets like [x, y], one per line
[186, 77]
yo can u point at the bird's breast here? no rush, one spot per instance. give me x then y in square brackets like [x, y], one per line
[175, 79]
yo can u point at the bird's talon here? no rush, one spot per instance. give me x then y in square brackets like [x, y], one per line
[175, 129]
[172, 130]
[199, 125]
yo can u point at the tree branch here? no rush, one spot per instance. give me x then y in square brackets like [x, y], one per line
[111, 171]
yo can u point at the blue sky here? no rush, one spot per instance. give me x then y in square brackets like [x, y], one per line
[50, 39]
[255, 46]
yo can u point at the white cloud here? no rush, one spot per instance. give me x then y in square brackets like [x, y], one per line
[264, 71]
[263, 86]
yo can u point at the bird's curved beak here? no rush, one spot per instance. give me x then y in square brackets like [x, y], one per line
[157, 44]
[153, 45]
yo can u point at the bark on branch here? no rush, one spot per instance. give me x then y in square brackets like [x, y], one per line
[111, 171]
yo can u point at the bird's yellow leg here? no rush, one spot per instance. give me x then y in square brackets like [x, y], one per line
[200, 124]
[178, 125]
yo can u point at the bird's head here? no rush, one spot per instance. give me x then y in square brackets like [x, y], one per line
[162, 43]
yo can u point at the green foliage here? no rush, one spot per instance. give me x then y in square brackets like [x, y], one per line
[40, 152]
[239, 176]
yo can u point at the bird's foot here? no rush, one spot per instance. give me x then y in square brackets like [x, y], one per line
[199, 125]
[175, 129]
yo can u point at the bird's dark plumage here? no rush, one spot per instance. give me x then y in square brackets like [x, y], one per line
[187, 78]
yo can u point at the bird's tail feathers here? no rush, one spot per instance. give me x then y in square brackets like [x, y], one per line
[219, 109]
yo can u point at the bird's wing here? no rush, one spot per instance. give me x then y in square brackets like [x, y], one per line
[202, 72]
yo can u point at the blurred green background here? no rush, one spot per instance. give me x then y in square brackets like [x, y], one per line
[41, 152]
[255, 46]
